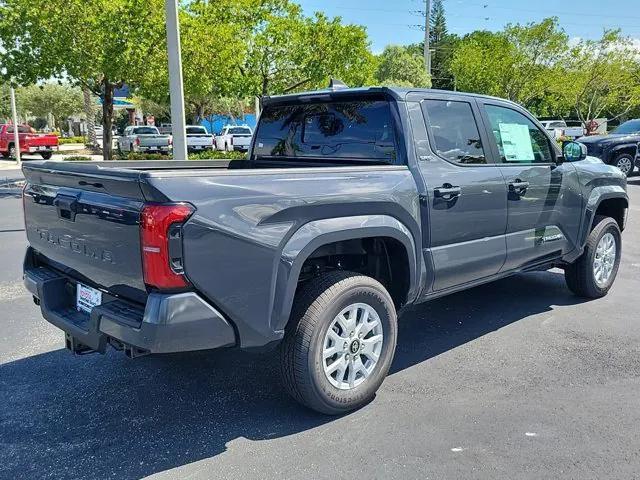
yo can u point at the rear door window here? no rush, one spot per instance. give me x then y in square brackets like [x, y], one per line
[359, 130]
[455, 131]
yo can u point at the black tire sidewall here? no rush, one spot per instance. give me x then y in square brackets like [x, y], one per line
[607, 225]
[333, 397]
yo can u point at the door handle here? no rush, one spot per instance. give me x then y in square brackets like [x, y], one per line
[447, 192]
[518, 187]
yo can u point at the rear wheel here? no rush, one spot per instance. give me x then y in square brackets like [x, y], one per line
[46, 155]
[624, 162]
[340, 342]
[12, 151]
[593, 274]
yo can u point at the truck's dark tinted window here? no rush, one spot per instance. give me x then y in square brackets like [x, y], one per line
[360, 130]
[455, 131]
[145, 131]
[518, 139]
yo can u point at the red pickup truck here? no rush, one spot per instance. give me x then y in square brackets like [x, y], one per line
[30, 142]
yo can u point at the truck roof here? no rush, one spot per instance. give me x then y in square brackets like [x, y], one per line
[398, 93]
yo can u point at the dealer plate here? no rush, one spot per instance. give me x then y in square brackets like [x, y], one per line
[87, 298]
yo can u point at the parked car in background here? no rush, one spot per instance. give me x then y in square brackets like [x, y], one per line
[619, 148]
[165, 128]
[569, 130]
[43, 144]
[144, 139]
[234, 137]
[351, 204]
[198, 139]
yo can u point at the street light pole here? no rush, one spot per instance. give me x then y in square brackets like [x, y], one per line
[14, 116]
[178, 127]
[427, 27]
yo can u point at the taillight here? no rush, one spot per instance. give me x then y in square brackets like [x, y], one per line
[170, 140]
[161, 239]
[137, 141]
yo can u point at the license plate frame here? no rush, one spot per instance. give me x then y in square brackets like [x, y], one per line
[87, 298]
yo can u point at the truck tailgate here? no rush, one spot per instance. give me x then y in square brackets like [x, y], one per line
[87, 224]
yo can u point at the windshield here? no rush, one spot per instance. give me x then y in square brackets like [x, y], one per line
[632, 126]
[145, 131]
[196, 130]
[239, 131]
[360, 130]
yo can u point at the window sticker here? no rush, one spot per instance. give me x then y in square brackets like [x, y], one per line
[516, 142]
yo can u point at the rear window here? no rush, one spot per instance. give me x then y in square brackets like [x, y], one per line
[239, 131]
[21, 129]
[339, 130]
[196, 131]
[145, 131]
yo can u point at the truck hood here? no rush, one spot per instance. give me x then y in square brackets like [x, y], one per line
[611, 138]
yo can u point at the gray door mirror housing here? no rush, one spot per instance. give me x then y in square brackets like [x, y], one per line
[574, 151]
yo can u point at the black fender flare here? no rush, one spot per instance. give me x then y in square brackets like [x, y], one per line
[317, 233]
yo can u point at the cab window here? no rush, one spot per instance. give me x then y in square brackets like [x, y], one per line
[455, 132]
[518, 139]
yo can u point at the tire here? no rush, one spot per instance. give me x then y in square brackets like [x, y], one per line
[317, 307]
[46, 155]
[625, 162]
[12, 151]
[580, 275]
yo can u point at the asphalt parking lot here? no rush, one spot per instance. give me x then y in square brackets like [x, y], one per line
[516, 379]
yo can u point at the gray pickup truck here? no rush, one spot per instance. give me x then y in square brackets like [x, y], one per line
[352, 204]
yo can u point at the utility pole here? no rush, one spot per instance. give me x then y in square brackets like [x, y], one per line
[176, 89]
[16, 136]
[427, 28]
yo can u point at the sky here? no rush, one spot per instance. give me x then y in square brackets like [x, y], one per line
[396, 21]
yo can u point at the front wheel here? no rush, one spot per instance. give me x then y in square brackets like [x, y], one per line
[593, 274]
[624, 162]
[339, 343]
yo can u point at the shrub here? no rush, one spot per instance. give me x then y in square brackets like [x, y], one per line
[217, 155]
[210, 155]
[76, 158]
[65, 140]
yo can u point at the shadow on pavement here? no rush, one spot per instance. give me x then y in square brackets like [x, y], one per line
[98, 417]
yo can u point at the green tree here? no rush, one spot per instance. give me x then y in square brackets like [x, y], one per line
[402, 67]
[59, 101]
[603, 78]
[98, 44]
[519, 63]
[289, 51]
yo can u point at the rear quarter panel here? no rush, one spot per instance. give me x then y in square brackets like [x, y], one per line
[233, 245]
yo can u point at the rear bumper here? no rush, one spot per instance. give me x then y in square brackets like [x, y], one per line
[40, 149]
[167, 323]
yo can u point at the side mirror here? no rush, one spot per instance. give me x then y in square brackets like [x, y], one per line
[574, 151]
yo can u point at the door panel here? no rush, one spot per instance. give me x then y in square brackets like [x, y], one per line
[466, 196]
[540, 193]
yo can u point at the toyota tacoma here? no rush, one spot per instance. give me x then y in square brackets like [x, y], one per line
[351, 204]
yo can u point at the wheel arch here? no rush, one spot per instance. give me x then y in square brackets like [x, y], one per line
[320, 233]
[628, 148]
[610, 200]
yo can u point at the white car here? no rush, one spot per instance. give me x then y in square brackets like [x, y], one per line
[560, 128]
[234, 137]
[198, 139]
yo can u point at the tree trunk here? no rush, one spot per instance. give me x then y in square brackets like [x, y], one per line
[91, 117]
[107, 120]
[199, 116]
